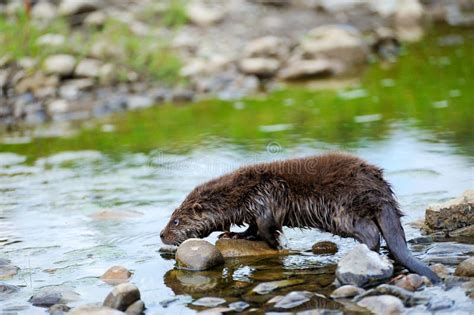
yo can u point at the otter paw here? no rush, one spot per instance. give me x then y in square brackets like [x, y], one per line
[226, 235]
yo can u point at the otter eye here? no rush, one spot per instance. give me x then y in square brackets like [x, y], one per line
[176, 222]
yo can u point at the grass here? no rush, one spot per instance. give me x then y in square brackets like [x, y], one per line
[174, 15]
[150, 57]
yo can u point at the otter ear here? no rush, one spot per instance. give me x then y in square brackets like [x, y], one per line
[197, 207]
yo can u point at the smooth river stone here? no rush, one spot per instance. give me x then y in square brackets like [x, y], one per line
[241, 248]
[466, 268]
[267, 287]
[383, 304]
[122, 296]
[116, 275]
[196, 254]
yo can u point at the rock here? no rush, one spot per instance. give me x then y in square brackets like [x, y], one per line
[107, 73]
[267, 47]
[182, 95]
[6, 290]
[44, 10]
[209, 301]
[326, 247]
[408, 13]
[139, 101]
[52, 40]
[59, 309]
[452, 215]
[465, 269]
[294, 299]
[50, 296]
[465, 232]
[96, 19]
[88, 68]
[94, 310]
[105, 49]
[437, 303]
[261, 67]
[136, 308]
[8, 271]
[239, 306]
[440, 270]
[240, 248]
[411, 282]
[343, 43]
[308, 69]
[116, 275]
[267, 287]
[62, 65]
[346, 291]
[122, 296]
[73, 89]
[408, 298]
[73, 7]
[197, 254]
[362, 267]
[203, 15]
[383, 305]
[59, 107]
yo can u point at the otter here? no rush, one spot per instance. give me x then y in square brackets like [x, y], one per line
[333, 192]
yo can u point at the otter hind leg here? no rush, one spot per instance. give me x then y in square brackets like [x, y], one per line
[268, 229]
[367, 232]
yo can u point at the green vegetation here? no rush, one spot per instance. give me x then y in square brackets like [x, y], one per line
[428, 91]
[175, 14]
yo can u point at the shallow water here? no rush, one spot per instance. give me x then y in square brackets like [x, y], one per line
[52, 187]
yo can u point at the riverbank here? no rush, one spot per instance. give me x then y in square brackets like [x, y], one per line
[74, 62]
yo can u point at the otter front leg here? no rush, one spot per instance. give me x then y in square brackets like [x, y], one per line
[249, 234]
[268, 229]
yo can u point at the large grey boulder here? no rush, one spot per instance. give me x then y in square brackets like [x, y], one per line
[362, 267]
[198, 254]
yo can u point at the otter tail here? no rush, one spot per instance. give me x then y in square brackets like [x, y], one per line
[389, 224]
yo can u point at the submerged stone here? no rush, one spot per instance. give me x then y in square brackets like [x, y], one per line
[346, 291]
[241, 248]
[437, 303]
[116, 275]
[238, 306]
[47, 297]
[325, 247]
[362, 267]
[267, 287]
[294, 299]
[209, 301]
[6, 290]
[197, 254]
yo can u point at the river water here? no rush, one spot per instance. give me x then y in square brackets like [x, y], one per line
[139, 166]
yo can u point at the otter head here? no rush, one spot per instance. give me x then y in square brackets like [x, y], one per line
[196, 217]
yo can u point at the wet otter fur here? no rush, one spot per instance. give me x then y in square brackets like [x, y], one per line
[335, 192]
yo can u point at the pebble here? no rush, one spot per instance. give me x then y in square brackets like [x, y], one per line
[346, 291]
[198, 254]
[204, 15]
[6, 290]
[362, 267]
[44, 10]
[439, 303]
[7, 271]
[88, 68]
[325, 247]
[139, 101]
[62, 65]
[267, 287]
[411, 282]
[116, 275]
[209, 301]
[59, 309]
[136, 308]
[239, 306]
[51, 40]
[465, 268]
[383, 305]
[122, 296]
[294, 299]
[440, 269]
[261, 67]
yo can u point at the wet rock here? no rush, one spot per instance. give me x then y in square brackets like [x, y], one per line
[362, 267]
[94, 310]
[267, 287]
[465, 269]
[59, 309]
[346, 291]
[267, 47]
[52, 40]
[452, 215]
[437, 303]
[6, 290]
[197, 254]
[7, 271]
[440, 270]
[50, 296]
[383, 304]
[122, 296]
[204, 15]
[261, 67]
[88, 68]
[340, 42]
[116, 275]
[326, 247]
[139, 101]
[96, 19]
[44, 10]
[239, 306]
[209, 301]
[407, 297]
[294, 299]
[240, 248]
[182, 95]
[136, 308]
[466, 232]
[411, 282]
[73, 7]
[62, 65]
[308, 69]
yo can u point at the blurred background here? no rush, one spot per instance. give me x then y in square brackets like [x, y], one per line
[112, 111]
